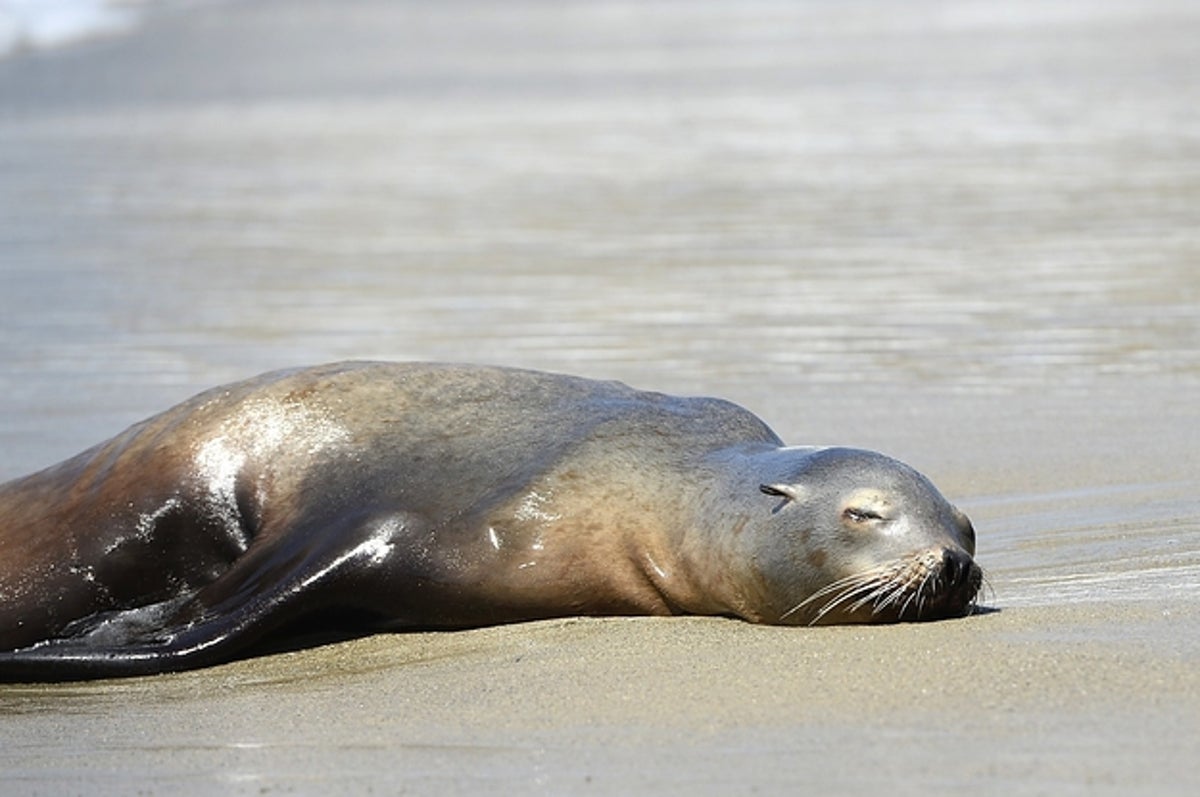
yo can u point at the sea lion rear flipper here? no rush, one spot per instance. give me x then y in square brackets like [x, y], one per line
[137, 641]
[265, 590]
[162, 637]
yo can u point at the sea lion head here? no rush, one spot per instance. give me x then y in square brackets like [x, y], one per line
[858, 537]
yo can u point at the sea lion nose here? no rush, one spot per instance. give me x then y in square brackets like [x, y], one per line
[956, 566]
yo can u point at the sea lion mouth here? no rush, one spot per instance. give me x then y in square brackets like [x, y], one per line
[933, 585]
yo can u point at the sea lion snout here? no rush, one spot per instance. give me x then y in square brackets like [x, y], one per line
[962, 577]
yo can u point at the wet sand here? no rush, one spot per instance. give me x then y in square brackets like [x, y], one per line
[996, 703]
[965, 236]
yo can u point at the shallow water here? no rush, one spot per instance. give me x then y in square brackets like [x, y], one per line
[966, 235]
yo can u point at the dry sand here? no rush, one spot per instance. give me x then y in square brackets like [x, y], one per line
[963, 235]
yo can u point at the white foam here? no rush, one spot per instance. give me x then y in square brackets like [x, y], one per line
[42, 24]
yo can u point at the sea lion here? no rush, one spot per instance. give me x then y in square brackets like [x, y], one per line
[402, 496]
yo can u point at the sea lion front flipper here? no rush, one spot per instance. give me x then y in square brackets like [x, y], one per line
[268, 588]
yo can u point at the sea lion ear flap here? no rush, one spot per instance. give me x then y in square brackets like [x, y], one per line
[789, 491]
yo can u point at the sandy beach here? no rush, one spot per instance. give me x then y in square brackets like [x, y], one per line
[966, 235]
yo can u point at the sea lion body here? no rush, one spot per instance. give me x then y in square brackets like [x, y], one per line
[441, 496]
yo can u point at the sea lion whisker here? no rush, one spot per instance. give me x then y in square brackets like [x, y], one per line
[985, 583]
[847, 593]
[864, 592]
[898, 581]
[868, 587]
[918, 583]
[851, 580]
[848, 582]
[890, 593]
[914, 595]
[867, 582]
[872, 598]
[920, 594]
[883, 593]
[837, 601]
